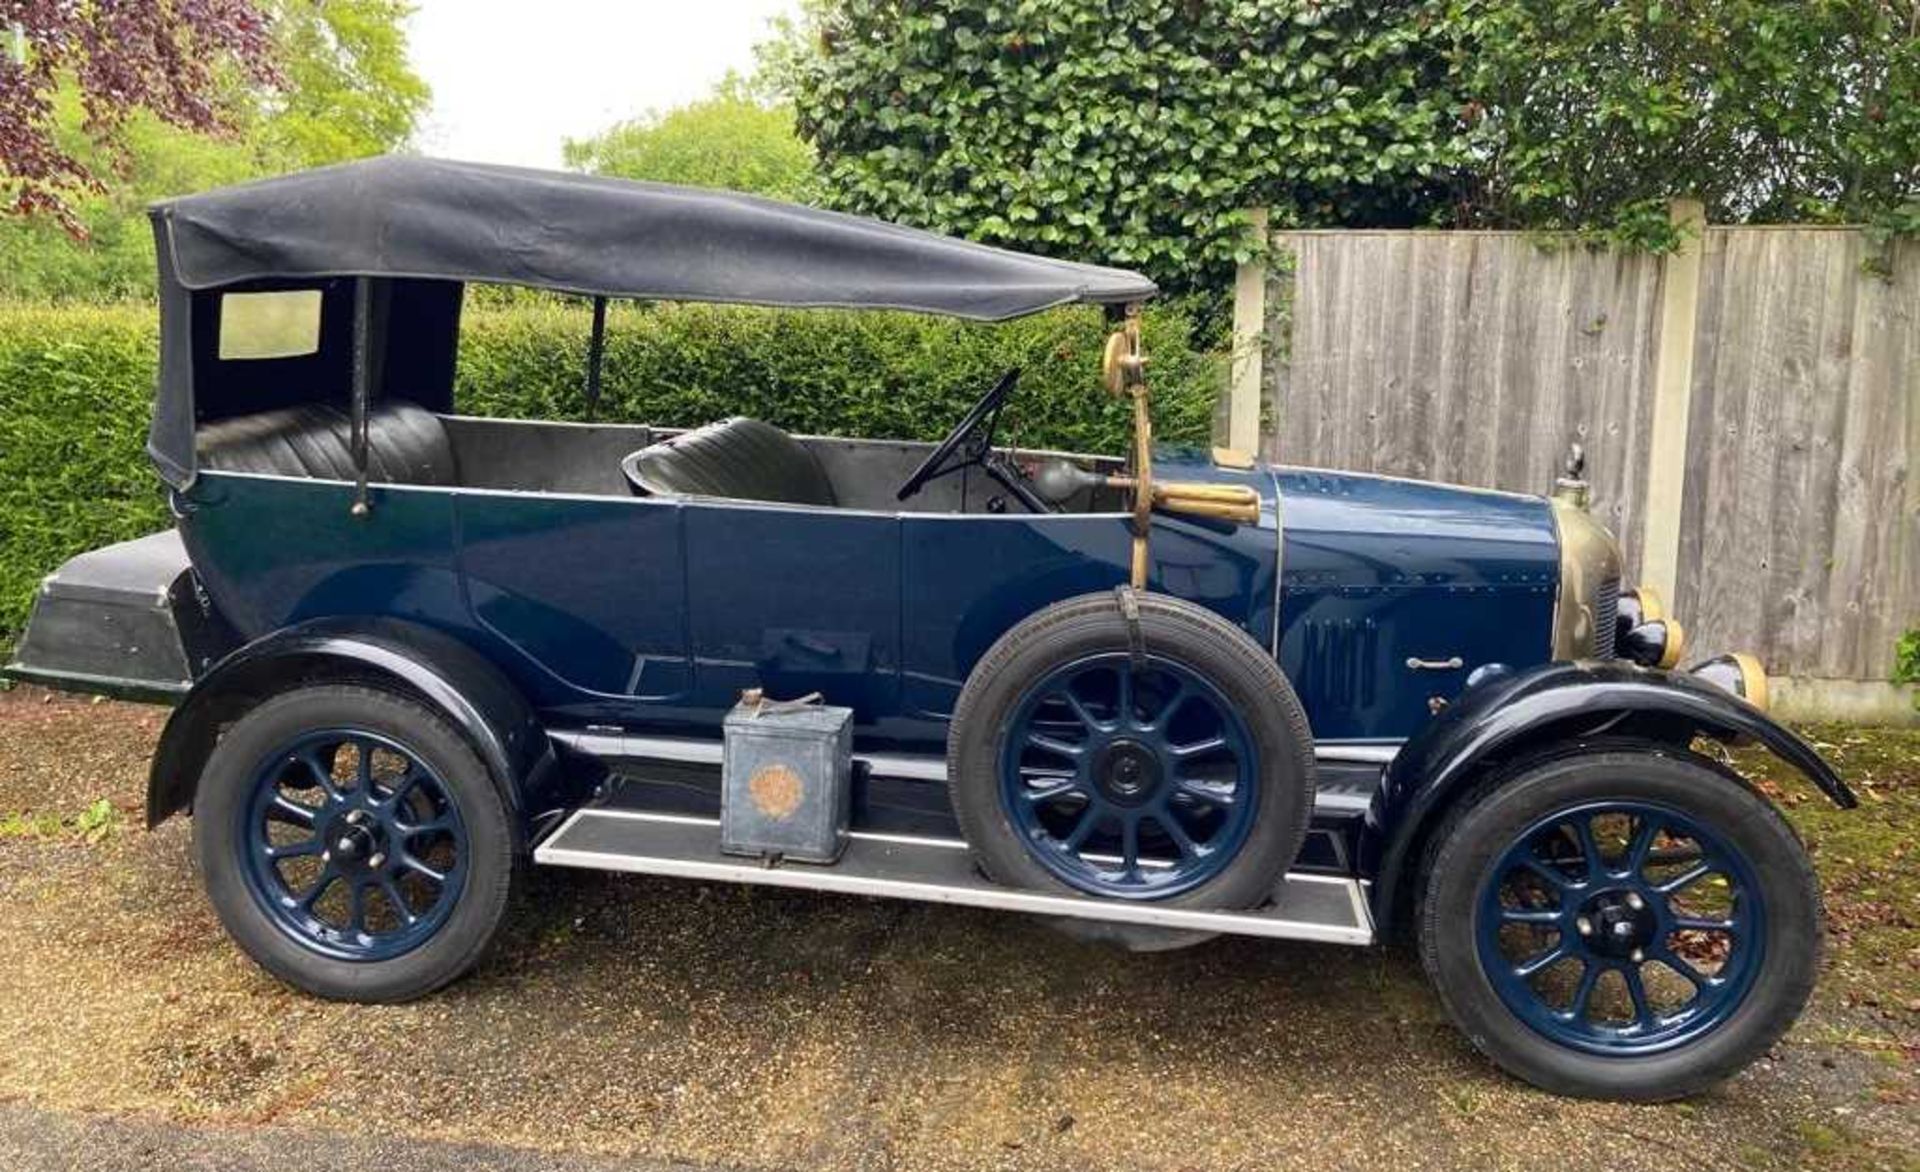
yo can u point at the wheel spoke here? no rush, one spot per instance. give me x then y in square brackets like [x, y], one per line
[1523, 915]
[1692, 876]
[1057, 790]
[290, 810]
[328, 875]
[1548, 875]
[396, 796]
[1197, 748]
[1055, 746]
[1123, 697]
[1167, 710]
[1637, 989]
[1178, 833]
[322, 772]
[1130, 844]
[415, 829]
[1082, 829]
[357, 906]
[1583, 992]
[1080, 711]
[1642, 843]
[363, 766]
[399, 903]
[1698, 924]
[1204, 793]
[1684, 967]
[294, 850]
[1589, 849]
[412, 863]
[1541, 962]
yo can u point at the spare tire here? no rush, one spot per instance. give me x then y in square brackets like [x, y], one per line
[1132, 746]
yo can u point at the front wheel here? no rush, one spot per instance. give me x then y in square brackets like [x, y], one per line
[353, 843]
[1631, 924]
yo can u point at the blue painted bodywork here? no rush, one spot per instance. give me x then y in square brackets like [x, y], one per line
[653, 613]
[650, 615]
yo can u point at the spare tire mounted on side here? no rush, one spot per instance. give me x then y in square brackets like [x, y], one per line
[1134, 746]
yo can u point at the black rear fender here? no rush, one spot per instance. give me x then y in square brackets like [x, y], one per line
[424, 664]
[1557, 707]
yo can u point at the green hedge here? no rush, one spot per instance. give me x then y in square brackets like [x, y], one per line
[75, 384]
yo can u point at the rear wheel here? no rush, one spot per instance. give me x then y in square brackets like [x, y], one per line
[1162, 757]
[353, 844]
[1621, 924]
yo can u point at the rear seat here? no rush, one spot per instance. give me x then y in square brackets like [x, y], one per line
[406, 444]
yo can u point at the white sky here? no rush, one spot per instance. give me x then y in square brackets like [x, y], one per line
[512, 79]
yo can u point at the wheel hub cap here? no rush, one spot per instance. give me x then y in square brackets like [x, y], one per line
[1128, 772]
[1618, 929]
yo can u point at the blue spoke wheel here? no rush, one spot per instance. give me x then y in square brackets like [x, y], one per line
[355, 848]
[353, 843]
[1619, 920]
[1129, 777]
[1621, 927]
[1132, 746]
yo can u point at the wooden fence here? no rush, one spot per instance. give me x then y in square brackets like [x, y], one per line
[1750, 407]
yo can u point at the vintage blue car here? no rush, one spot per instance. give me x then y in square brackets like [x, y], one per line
[1157, 697]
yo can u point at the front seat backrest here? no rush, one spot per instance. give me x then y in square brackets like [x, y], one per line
[741, 458]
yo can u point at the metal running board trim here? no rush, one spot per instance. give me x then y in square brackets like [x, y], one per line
[1324, 908]
[615, 745]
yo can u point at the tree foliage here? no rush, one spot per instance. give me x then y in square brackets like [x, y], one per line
[347, 91]
[729, 139]
[1586, 114]
[164, 57]
[1135, 131]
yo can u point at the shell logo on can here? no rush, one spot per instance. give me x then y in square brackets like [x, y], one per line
[776, 791]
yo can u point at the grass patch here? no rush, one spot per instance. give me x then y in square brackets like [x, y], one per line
[94, 823]
[1868, 859]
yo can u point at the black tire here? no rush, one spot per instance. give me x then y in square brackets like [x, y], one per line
[1468, 847]
[1201, 643]
[221, 807]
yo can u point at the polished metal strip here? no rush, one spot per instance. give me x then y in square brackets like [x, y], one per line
[916, 767]
[1372, 754]
[1362, 914]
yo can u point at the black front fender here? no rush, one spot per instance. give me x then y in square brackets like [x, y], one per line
[1560, 703]
[428, 665]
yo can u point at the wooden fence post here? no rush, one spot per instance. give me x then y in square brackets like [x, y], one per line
[1249, 330]
[1672, 404]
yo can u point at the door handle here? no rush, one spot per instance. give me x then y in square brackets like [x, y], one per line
[1415, 663]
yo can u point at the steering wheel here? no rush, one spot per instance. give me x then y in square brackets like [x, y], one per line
[973, 438]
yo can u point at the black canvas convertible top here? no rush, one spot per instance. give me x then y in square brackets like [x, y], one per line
[413, 217]
[411, 233]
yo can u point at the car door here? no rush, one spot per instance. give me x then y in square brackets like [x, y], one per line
[586, 592]
[794, 599]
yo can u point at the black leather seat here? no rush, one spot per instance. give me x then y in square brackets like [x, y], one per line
[741, 458]
[406, 444]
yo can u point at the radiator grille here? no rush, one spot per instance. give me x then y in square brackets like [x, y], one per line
[1606, 613]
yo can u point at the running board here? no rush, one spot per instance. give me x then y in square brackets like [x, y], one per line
[1324, 908]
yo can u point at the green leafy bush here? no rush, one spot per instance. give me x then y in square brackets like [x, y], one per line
[76, 386]
[1132, 133]
[1136, 132]
[75, 391]
[1906, 661]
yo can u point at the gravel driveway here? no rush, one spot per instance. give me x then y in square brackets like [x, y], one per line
[758, 1028]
